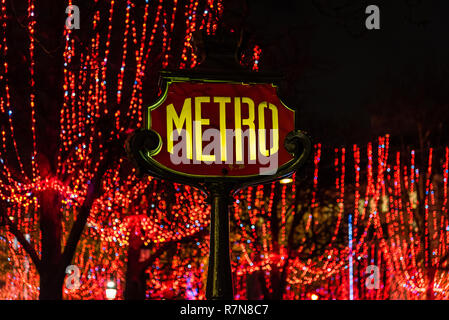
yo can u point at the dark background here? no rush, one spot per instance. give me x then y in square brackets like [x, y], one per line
[349, 84]
[352, 84]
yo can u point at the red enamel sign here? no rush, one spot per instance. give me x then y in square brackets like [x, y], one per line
[221, 129]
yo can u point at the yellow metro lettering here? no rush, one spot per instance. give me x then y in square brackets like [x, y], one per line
[193, 128]
[199, 122]
[262, 132]
[184, 118]
[238, 128]
[222, 102]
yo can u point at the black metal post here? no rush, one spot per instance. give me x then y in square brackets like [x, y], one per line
[219, 276]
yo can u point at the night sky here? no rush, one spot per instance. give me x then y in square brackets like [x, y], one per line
[348, 68]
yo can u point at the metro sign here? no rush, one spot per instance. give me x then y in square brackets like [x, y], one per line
[218, 136]
[208, 132]
[218, 129]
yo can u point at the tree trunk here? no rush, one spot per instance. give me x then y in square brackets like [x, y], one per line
[136, 277]
[283, 279]
[256, 288]
[135, 287]
[51, 285]
[51, 275]
[275, 277]
[430, 283]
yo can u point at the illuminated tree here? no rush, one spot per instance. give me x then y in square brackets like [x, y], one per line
[416, 109]
[63, 163]
[69, 99]
[370, 217]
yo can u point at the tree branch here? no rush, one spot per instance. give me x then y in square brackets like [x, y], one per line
[166, 245]
[84, 212]
[296, 220]
[11, 227]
